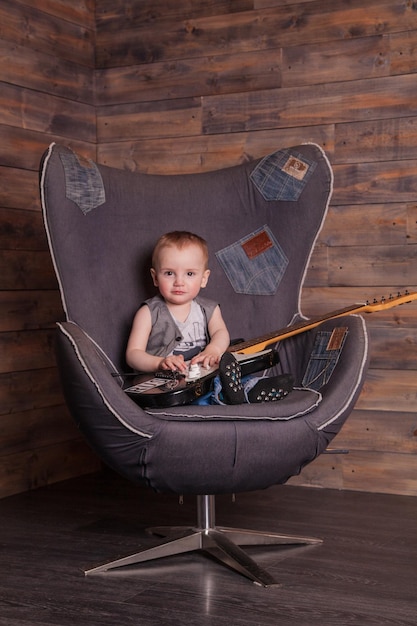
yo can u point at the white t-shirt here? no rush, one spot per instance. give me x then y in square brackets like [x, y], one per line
[193, 331]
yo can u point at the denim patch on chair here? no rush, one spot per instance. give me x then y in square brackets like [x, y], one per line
[83, 182]
[324, 356]
[282, 175]
[255, 264]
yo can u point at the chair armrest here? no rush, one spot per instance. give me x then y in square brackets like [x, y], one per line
[92, 392]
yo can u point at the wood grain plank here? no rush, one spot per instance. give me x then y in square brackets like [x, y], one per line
[185, 78]
[412, 223]
[253, 30]
[29, 310]
[377, 182]
[326, 62]
[381, 431]
[25, 186]
[44, 73]
[395, 265]
[21, 230]
[394, 348]
[264, 4]
[145, 120]
[33, 469]
[35, 429]
[27, 350]
[77, 11]
[387, 97]
[394, 472]
[389, 390]
[363, 573]
[354, 59]
[112, 16]
[197, 154]
[380, 472]
[21, 148]
[31, 110]
[37, 30]
[403, 52]
[352, 225]
[376, 140]
[27, 391]
[26, 269]
[318, 268]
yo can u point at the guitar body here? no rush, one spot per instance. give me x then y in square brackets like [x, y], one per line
[166, 389]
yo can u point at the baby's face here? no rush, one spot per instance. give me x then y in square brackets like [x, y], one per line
[180, 273]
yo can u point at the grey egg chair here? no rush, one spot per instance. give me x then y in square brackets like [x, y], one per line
[261, 220]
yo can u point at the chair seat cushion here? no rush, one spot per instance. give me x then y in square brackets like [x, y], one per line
[298, 403]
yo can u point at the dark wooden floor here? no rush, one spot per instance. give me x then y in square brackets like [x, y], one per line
[364, 573]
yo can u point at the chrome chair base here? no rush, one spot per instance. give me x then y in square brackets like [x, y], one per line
[220, 542]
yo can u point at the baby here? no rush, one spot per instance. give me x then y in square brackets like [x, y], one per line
[178, 327]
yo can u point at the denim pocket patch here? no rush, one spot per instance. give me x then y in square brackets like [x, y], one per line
[282, 175]
[255, 264]
[324, 357]
[83, 182]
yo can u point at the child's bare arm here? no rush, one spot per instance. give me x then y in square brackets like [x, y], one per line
[136, 355]
[219, 341]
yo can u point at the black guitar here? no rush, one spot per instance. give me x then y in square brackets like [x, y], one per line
[166, 389]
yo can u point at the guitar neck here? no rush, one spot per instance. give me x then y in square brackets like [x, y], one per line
[261, 343]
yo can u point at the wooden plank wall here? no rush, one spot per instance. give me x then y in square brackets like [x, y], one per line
[190, 85]
[196, 85]
[46, 94]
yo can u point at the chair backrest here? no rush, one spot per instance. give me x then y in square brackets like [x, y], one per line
[260, 219]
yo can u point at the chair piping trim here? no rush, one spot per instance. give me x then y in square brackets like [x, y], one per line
[359, 378]
[224, 418]
[329, 196]
[45, 221]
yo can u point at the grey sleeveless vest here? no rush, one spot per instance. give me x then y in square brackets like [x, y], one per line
[165, 335]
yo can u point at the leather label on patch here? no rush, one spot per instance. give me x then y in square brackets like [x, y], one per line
[256, 245]
[295, 167]
[337, 338]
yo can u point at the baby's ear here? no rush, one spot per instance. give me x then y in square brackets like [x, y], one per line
[205, 278]
[154, 278]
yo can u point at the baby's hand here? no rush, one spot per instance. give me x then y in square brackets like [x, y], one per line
[173, 362]
[207, 359]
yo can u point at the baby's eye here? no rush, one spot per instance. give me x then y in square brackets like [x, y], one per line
[168, 273]
[190, 273]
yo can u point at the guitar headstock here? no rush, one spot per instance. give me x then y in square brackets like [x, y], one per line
[391, 301]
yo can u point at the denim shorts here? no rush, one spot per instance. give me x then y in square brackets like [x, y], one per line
[282, 175]
[83, 182]
[255, 264]
[215, 396]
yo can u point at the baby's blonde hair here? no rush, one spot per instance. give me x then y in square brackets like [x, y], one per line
[179, 239]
